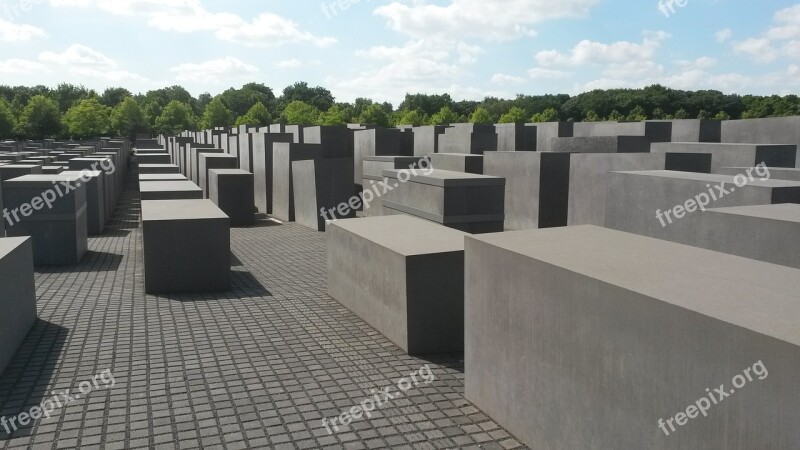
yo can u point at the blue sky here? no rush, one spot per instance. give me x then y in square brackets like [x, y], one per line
[384, 48]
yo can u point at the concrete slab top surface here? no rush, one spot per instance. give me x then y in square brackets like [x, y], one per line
[7, 245]
[700, 146]
[710, 283]
[19, 166]
[405, 235]
[712, 178]
[156, 210]
[392, 158]
[447, 178]
[216, 156]
[37, 180]
[162, 177]
[173, 186]
[786, 212]
[153, 166]
[230, 171]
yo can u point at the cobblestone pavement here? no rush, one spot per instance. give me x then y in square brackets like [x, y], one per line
[257, 367]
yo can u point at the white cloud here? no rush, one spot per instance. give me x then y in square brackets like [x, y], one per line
[759, 49]
[704, 62]
[492, 20]
[186, 16]
[590, 52]
[289, 64]
[538, 73]
[724, 35]
[78, 55]
[633, 69]
[781, 39]
[215, 71]
[13, 32]
[22, 66]
[503, 79]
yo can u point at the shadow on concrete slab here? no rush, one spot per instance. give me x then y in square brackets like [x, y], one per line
[91, 262]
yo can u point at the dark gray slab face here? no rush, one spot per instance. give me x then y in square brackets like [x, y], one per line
[602, 144]
[588, 182]
[338, 141]
[467, 202]
[210, 161]
[379, 142]
[537, 187]
[162, 177]
[621, 307]
[283, 155]
[12, 157]
[109, 182]
[262, 167]
[323, 184]
[696, 130]
[774, 130]
[516, 137]
[426, 139]
[186, 247]
[412, 289]
[10, 171]
[17, 295]
[373, 166]
[655, 131]
[776, 173]
[154, 158]
[96, 214]
[169, 190]
[194, 158]
[458, 162]
[52, 170]
[644, 202]
[59, 232]
[232, 191]
[468, 138]
[731, 155]
[545, 132]
[147, 143]
[149, 169]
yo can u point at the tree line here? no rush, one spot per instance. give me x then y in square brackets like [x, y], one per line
[71, 111]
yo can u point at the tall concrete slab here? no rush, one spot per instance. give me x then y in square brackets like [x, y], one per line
[426, 139]
[379, 142]
[516, 137]
[17, 295]
[773, 130]
[547, 131]
[284, 154]
[262, 167]
[730, 155]
[323, 185]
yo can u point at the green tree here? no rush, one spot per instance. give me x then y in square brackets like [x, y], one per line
[413, 117]
[241, 100]
[592, 116]
[114, 96]
[480, 115]
[128, 119]
[615, 116]
[514, 115]
[681, 114]
[87, 118]
[68, 95]
[300, 113]
[637, 114]
[7, 120]
[445, 116]
[318, 97]
[257, 115]
[334, 116]
[703, 114]
[658, 114]
[177, 116]
[40, 118]
[374, 115]
[548, 115]
[216, 115]
[722, 115]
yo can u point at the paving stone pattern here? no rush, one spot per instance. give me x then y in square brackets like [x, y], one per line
[257, 367]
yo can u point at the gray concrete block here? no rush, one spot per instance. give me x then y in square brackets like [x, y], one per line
[262, 167]
[52, 170]
[773, 130]
[546, 132]
[59, 232]
[467, 202]
[148, 169]
[642, 202]
[232, 191]
[730, 155]
[696, 130]
[776, 173]
[10, 171]
[473, 139]
[379, 142]
[412, 291]
[284, 154]
[322, 184]
[154, 158]
[624, 331]
[96, 214]
[162, 177]
[336, 140]
[602, 144]
[169, 190]
[458, 162]
[373, 168]
[186, 247]
[17, 295]
[194, 161]
[655, 131]
[245, 151]
[537, 187]
[516, 137]
[210, 161]
[426, 139]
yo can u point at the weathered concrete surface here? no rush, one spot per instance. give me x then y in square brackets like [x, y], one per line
[776, 173]
[232, 191]
[322, 184]
[546, 132]
[601, 144]
[584, 337]
[169, 190]
[473, 139]
[426, 139]
[17, 295]
[773, 130]
[516, 137]
[731, 155]
[655, 131]
[96, 208]
[696, 130]
[458, 162]
[412, 290]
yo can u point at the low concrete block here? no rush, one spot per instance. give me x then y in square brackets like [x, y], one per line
[412, 291]
[232, 191]
[153, 158]
[323, 185]
[515, 137]
[602, 144]
[162, 177]
[426, 139]
[458, 162]
[730, 155]
[654, 131]
[379, 142]
[210, 161]
[169, 190]
[158, 168]
[186, 247]
[583, 337]
[17, 295]
[59, 232]
[776, 173]
[10, 171]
